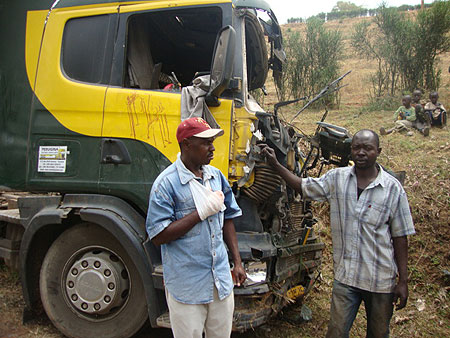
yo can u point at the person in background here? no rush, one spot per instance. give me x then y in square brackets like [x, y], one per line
[370, 220]
[436, 111]
[422, 123]
[404, 118]
[190, 214]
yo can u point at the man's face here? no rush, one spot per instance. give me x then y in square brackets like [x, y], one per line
[364, 150]
[406, 102]
[416, 96]
[434, 98]
[200, 150]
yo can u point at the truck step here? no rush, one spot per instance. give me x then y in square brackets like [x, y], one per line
[10, 216]
[164, 320]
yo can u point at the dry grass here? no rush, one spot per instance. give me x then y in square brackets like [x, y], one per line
[425, 161]
[428, 185]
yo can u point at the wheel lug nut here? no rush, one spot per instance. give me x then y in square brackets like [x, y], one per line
[97, 264]
[84, 264]
[71, 284]
[107, 272]
[84, 306]
[97, 306]
[74, 272]
[111, 286]
[74, 297]
[107, 299]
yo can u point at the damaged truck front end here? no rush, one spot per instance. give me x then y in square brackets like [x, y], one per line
[280, 250]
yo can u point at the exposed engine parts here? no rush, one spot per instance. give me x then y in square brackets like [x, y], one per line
[265, 183]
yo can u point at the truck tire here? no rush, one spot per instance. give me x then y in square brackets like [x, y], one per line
[90, 287]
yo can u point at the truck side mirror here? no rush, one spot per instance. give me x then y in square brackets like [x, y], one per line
[222, 65]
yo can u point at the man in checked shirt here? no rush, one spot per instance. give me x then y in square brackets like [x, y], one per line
[370, 219]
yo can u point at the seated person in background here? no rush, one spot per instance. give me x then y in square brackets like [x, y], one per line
[436, 111]
[404, 118]
[422, 122]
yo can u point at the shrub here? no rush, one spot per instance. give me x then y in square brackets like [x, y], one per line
[405, 49]
[312, 61]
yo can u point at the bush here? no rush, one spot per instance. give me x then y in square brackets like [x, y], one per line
[389, 103]
[312, 62]
[405, 50]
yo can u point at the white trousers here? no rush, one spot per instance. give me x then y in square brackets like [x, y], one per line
[190, 320]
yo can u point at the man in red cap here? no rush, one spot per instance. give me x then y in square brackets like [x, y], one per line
[191, 211]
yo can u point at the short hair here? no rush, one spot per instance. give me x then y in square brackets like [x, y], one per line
[434, 94]
[406, 97]
[374, 134]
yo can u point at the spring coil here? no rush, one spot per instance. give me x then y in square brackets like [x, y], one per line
[265, 183]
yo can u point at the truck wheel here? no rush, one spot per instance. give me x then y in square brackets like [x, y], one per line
[90, 287]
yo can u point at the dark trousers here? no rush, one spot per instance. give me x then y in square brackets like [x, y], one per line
[345, 303]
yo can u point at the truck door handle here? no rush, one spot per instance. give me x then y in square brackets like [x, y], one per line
[114, 152]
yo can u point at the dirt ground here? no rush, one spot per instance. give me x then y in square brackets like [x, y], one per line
[426, 162]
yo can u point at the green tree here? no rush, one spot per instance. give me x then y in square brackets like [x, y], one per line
[405, 49]
[433, 27]
[312, 61]
[345, 6]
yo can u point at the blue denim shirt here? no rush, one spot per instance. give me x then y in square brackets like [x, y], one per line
[196, 262]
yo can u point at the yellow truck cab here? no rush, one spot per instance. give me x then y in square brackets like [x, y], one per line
[92, 92]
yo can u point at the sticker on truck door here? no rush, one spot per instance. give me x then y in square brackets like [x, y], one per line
[52, 159]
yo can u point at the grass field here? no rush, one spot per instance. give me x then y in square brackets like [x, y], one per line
[426, 162]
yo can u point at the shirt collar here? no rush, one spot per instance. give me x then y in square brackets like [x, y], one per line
[186, 175]
[379, 180]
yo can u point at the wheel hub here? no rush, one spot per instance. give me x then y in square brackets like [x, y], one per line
[97, 282]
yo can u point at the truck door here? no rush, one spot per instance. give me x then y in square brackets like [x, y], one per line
[69, 92]
[157, 51]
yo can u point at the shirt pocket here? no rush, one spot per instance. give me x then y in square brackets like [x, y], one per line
[376, 215]
[195, 231]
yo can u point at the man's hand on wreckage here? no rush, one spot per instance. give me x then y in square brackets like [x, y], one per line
[238, 274]
[269, 153]
[400, 295]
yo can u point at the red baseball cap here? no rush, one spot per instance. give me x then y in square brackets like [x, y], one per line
[196, 126]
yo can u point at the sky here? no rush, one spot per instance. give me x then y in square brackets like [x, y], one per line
[285, 9]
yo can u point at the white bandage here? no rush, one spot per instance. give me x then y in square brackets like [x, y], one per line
[207, 202]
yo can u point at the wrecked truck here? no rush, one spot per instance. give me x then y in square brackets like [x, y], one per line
[90, 100]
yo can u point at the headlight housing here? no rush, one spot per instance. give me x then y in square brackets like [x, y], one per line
[256, 272]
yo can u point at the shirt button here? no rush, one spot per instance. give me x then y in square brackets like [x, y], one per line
[212, 236]
[214, 254]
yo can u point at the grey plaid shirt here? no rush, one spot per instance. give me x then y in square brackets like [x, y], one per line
[362, 229]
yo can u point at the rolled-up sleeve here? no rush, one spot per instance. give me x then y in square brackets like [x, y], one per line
[401, 223]
[317, 189]
[161, 211]
[232, 208]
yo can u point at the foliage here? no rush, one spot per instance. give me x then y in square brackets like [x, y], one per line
[295, 20]
[404, 49]
[345, 6]
[387, 103]
[358, 11]
[433, 26]
[312, 61]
